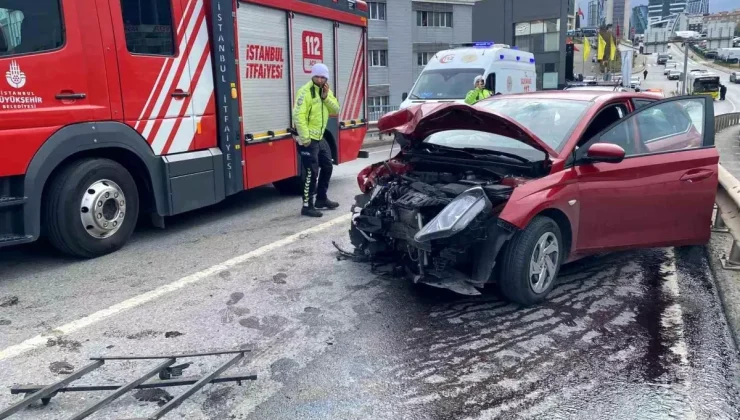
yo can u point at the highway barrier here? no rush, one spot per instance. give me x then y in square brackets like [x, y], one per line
[727, 218]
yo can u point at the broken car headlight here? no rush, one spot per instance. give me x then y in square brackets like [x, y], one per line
[456, 216]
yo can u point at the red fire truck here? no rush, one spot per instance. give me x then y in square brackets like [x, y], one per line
[111, 110]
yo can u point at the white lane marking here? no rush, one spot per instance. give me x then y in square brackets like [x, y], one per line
[672, 317]
[74, 326]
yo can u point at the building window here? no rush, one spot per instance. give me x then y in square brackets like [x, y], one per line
[378, 58]
[377, 10]
[423, 58]
[148, 26]
[434, 19]
[538, 36]
[377, 106]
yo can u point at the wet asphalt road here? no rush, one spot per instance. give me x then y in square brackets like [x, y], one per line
[634, 335]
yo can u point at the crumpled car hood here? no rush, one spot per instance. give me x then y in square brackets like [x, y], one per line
[420, 121]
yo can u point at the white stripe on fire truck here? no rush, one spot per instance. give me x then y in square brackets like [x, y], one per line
[348, 95]
[165, 92]
[155, 88]
[183, 134]
[201, 97]
[181, 107]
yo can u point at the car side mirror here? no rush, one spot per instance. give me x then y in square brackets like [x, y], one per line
[404, 96]
[604, 152]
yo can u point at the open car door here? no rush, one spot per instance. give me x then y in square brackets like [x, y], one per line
[662, 192]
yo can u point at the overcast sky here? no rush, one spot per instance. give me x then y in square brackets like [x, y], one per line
[714, 5]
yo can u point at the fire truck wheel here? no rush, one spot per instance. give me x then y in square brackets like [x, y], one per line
[91, 208]
[290, 186]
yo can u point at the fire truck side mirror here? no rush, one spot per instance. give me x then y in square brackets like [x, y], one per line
[404, 96]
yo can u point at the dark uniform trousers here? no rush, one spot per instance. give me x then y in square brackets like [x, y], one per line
[317, 166]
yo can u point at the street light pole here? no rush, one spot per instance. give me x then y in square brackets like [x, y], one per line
[685, 67]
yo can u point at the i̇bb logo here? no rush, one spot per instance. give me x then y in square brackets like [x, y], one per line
[446, 59]
[313, 49]
[15, 77]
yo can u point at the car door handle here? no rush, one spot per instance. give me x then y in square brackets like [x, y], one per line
[180, 94]
[696, 176]
[71, 96]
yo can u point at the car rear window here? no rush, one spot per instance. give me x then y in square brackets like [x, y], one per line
[551, 120]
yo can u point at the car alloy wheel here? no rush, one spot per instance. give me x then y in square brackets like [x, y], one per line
[544, 262]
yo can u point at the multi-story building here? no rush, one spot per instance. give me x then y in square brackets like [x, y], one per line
[639, 19]
[402, 36]
[733, 16]
[661, 9]
[696, 23]
[536, 26]
[697, 7]
[593, 13]
[621, 17]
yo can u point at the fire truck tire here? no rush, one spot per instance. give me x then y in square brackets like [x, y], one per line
[91, 208]
[290, 186]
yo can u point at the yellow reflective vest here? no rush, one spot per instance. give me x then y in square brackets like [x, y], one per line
[311, 113]
[476, 95]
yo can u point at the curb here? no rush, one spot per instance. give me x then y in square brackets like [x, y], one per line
[726, 282]
[377, 143]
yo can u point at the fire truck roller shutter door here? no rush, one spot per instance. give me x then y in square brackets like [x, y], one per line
[263, 62]
[313, 42]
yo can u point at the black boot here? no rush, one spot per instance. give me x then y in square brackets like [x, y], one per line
[310, 212]
[325, 203]
[309, 209]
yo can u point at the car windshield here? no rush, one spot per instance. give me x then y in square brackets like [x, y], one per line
[551, 120]
[445, 84]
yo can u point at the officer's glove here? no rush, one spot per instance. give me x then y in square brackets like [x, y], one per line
[305, 142]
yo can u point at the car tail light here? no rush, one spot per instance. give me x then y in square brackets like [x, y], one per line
[362, 179]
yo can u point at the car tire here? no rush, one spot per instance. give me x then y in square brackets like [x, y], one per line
[290, 186]
[514, 275]
[91, 208]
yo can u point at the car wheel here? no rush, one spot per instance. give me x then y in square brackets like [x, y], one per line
[531, 262]
[92, 208]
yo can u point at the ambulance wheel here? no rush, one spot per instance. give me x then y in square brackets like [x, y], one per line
[290, 186]
[91, 208]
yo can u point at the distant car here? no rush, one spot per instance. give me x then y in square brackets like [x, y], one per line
[735, 77]
[590, 80]
[674, 74]
[668, 66]
[635, 83]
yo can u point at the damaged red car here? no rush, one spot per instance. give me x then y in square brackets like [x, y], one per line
[510, 189]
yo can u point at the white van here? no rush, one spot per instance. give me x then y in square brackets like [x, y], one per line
[449, 75]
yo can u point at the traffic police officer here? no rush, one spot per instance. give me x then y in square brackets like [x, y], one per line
[314, 103]
[478, 93]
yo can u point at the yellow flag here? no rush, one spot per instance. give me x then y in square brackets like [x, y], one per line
[586, 49]
[602, 47]
[613, 52]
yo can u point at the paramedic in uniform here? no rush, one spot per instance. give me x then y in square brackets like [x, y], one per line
[479, 91]
[314, 103]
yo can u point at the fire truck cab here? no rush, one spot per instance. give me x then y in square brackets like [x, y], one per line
[112, 110]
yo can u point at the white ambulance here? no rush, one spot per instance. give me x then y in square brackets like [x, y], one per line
[449, 75]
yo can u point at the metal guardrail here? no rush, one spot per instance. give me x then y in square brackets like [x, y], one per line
[724, 121]
[727, 200]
